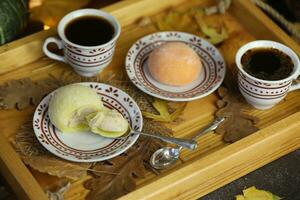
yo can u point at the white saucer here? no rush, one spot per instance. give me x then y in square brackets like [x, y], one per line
[87, 146]
[208, 81]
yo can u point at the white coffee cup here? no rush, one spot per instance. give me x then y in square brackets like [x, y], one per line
[85, 60]
[264, 94]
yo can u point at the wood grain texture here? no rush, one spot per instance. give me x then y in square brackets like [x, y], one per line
[259, 24]
[214, 163]
[17, 175]
[201, 176]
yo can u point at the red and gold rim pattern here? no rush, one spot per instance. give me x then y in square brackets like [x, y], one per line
[212, 74]
[86, 146]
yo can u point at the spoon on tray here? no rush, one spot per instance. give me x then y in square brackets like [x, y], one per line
[186, 143]
[167, 156]
[102, 123]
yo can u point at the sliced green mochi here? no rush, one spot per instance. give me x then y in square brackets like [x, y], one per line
[70, 105]
[107, 123]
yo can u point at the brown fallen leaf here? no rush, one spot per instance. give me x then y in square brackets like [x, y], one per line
[37, 157]
[59, 193]
[57, 167]
[15, 93]
[26, 143]
[232, 105]
[129, 167]
[213, 35]
[25, 92]
[40, 159]
[162, 108]
[191, 21]
[175, 20]
[238, 124]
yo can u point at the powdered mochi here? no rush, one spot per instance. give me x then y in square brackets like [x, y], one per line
[175, 64]
[70, 105]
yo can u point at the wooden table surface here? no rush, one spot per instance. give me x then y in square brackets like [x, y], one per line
[97, 4]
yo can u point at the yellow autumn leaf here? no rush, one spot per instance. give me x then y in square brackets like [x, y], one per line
[163, 110]
[51, 11]
[213, 36]
[255, 194]
[239, 197]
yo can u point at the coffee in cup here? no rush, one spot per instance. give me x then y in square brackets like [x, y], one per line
[267, 63]
[76, 31]
[88, 38]
[266, 70]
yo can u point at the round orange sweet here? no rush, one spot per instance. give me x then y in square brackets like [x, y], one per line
[174, 63]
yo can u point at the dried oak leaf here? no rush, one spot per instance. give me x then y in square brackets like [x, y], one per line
[163, 109]
[19, 93]
[238, 124]
[59, 193]
[57, 167]
[213, 35]
[24, 92]
[37, 157]
[175, 20]
[128, 167]
[25, 141]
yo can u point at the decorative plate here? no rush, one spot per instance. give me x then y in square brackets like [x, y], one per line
[209, 79]
[86, 146]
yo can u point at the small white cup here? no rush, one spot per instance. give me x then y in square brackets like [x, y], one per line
[263, 94]
[85, 60]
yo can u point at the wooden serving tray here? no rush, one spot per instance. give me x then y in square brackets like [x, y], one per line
[211, 166]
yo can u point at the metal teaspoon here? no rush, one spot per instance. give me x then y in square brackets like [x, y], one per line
[167, 156]
[186, 143]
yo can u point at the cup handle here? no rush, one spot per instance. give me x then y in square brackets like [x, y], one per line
[49, 53]
[294, 86]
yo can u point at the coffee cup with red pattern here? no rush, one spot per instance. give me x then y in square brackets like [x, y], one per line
[85, 60]
[264, 94]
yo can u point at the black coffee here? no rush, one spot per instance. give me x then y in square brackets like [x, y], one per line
[89, 31]
[267, 63]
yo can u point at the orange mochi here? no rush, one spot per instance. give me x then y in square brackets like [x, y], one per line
[175, 64]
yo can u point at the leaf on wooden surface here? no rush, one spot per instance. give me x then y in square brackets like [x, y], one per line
[57, 167]
[37, 157]
[129, 167]
[15, 93]
[59, 193]
[162, 108]
[238, 124]
[221, 7]
[252, 193]
[192, 21]
[144, 21]
[133, 162]
[175, 20]
[213, 35]
[51, 11]
[24, 92]
[26, 143]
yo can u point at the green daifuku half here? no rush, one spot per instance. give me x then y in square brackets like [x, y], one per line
[70, 105]
[107, 123]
